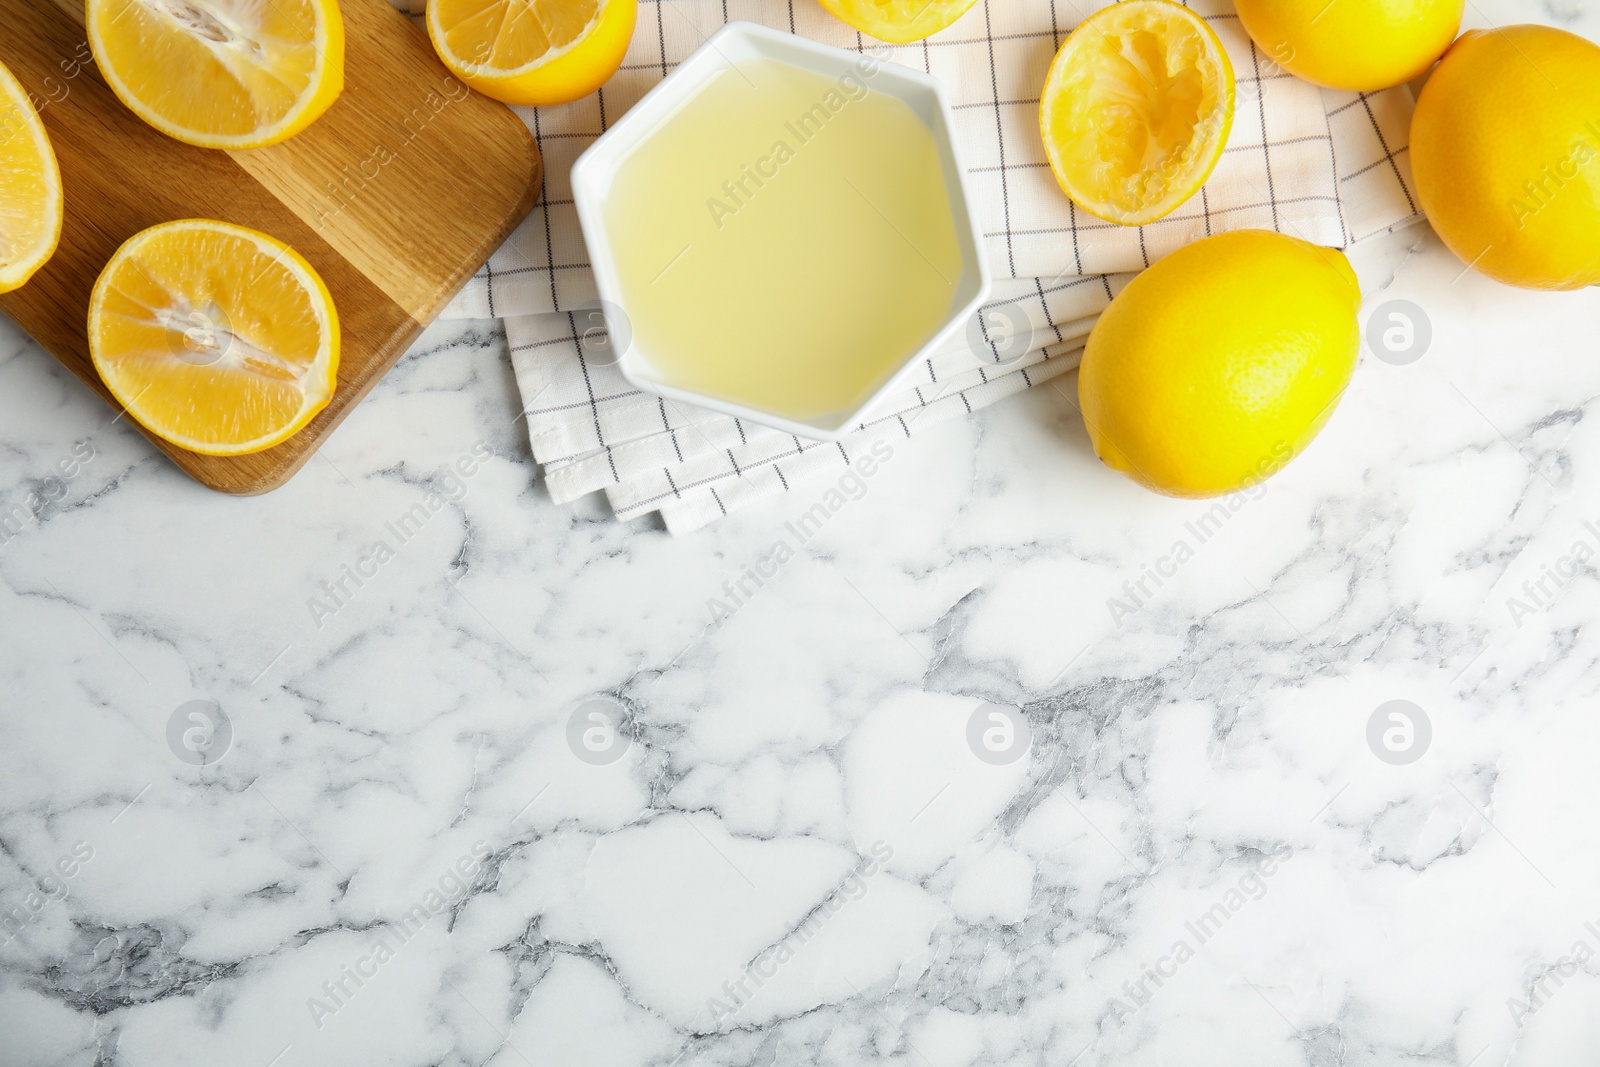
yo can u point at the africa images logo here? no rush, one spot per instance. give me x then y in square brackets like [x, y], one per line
[199, 732]
[739, 191]
[1538, 193]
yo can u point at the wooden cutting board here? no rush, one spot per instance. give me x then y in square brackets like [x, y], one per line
[396, 196]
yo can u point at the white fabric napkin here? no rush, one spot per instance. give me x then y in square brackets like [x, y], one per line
[1328, 167]
[1277, 172]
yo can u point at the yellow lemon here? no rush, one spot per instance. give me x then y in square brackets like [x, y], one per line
[1505, 146]
[532, 52]
[30, 187]
[215, 337]
[898, 21]
[1136, 110]
[1360, 45]
[1220, 363]
[221, 73]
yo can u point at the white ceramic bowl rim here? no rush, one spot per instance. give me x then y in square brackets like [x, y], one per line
[594, 170]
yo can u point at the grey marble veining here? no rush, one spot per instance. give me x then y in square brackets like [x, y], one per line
[991, 771]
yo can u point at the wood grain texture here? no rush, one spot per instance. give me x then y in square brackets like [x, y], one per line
[396, 196]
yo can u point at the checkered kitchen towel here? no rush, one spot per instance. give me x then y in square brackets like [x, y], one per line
[1278, 171]
[1327, 167]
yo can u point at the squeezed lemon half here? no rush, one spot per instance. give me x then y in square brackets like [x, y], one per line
[215, 337]
[1136, 110]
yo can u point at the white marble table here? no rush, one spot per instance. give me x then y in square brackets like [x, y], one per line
[419, 838]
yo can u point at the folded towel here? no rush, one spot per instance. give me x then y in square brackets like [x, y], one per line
[1278, 171]
[1328, 167]
[591, 430]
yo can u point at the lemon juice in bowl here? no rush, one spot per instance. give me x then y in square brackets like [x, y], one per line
[782, 235]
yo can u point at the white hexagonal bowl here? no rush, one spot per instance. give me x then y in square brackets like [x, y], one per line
[595, 171]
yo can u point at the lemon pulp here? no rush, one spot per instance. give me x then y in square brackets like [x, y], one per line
[221, 73]
[1136, 110]
[532, 52]
[30, 187]
[215, 337]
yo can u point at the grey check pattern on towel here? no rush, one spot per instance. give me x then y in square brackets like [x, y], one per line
[1328, 167]
[1278, 171]
[591, 430]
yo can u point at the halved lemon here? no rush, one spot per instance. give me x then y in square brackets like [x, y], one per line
[1136, 110]
[30, 187]
[898, 21]
[221, 73]
[532, 52]
[217, 338]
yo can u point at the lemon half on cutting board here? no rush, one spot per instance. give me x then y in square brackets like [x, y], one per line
[221, 73]
[30, 187]
[1136, 110]
[215, 337]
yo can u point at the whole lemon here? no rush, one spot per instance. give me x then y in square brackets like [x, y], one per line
[1220, 363]
[1505, 147]
[1360, 45]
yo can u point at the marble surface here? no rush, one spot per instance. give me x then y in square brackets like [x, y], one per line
[404, 765]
